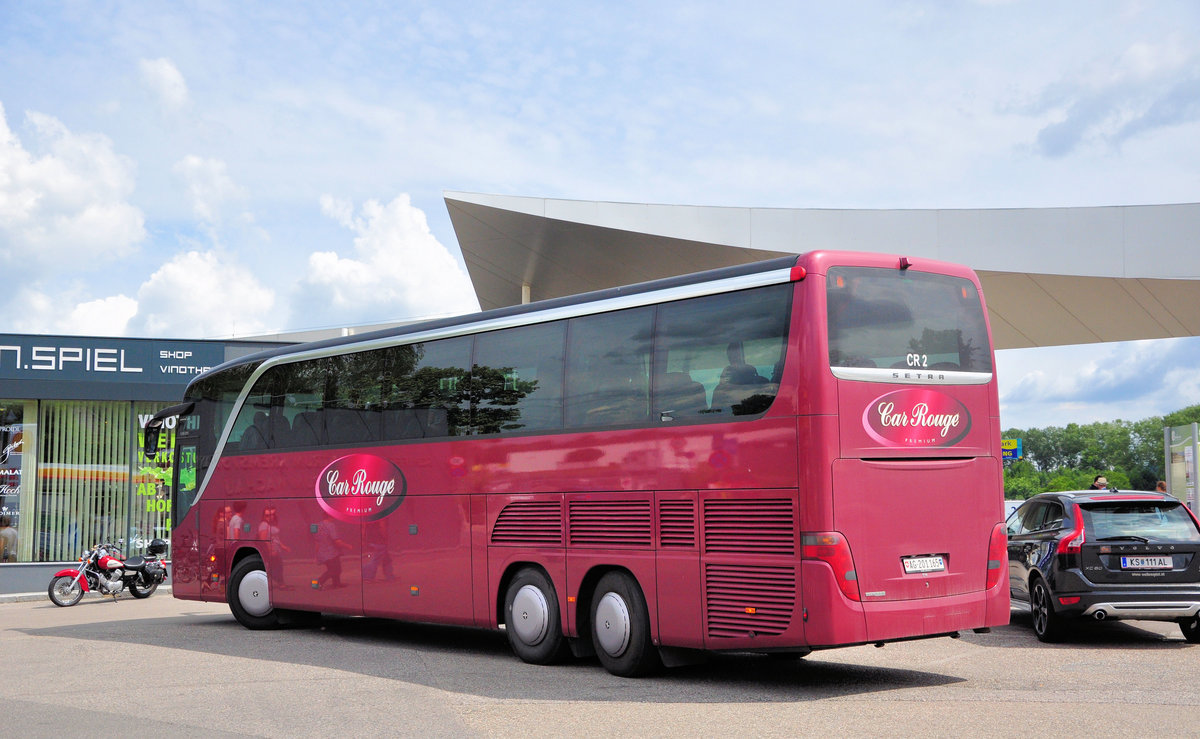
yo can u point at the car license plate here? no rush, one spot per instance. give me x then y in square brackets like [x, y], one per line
[923, 564]
[1146, 563]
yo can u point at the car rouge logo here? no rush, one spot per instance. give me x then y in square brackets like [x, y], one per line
[360, 487]
[916, 418]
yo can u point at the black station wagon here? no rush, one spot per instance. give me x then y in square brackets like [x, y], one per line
[1105, 555]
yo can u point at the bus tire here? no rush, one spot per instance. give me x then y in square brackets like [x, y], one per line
[621, 627]
[249, 595]
[531, 618]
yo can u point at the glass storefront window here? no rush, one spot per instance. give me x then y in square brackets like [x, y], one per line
[83, 476]
[18, 459]
[78, 477]
[150, 514]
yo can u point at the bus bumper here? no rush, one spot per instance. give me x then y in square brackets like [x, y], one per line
[832, 619]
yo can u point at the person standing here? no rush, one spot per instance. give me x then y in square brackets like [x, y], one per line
[8, 540]
[329, 553]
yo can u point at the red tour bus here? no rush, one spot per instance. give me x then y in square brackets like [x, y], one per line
[785, 456]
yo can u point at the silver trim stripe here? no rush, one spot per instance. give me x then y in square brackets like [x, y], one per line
[911, 376]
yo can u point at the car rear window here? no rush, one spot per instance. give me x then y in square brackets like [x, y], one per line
[1154, 521]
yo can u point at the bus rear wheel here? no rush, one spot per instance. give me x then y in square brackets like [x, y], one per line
[531, 618]
[621, 627]
[249, 595]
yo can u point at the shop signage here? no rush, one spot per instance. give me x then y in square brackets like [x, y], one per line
[74, 358]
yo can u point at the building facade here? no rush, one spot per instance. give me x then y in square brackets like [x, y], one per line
[72, 410]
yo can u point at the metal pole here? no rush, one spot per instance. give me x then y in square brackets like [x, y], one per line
[1167, 458]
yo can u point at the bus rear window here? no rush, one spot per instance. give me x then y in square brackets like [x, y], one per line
[896, 319]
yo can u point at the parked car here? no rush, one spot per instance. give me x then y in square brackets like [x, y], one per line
[1104, 554]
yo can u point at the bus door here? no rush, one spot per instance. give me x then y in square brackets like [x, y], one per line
[213, 522]
[313, 558]
[416, 561]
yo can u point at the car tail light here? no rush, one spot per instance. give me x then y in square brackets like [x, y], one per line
[1072, 543]
[997, 556]
[833, 549]
[1069, 600]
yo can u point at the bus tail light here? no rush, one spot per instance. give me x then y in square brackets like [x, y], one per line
[1072, 543]
[833, 549]
[997, 556]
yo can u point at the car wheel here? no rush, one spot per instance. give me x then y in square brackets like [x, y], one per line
[1047, 624]
[1191, 629]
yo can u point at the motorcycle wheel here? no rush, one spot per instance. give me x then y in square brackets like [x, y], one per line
[64, 591]
[137, 590]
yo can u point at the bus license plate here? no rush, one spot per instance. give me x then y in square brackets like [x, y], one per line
[1146, 563]
[923, 564]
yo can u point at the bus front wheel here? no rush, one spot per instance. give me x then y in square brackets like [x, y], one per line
[531, 618]
[249, 595]
[621, 627]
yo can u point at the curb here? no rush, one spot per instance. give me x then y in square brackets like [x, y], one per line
[29, 597]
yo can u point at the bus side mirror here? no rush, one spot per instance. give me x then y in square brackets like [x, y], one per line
[150, 440]
[155, 424]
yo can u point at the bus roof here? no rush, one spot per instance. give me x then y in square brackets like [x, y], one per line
[542, 306]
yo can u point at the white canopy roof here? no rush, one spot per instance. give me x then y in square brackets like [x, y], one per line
[1051, 276]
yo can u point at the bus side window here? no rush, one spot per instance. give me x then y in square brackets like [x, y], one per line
[252, 428]
[732, 344]
[425, 390]
[608, 360]
[517, 379]
[353, 397]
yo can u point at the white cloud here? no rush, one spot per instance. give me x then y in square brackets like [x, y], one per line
[398, 270]
[68, 205]
[1132, 380]
[162, 77]
[103, 317]
[197, 295]
[209, 186]
[67, 313]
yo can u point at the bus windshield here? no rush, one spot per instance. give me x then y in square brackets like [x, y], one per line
[214, 396]
[894, 318]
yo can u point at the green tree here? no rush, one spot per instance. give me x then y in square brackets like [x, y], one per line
[1182, 417]
[1129, 453]
[1021, 480]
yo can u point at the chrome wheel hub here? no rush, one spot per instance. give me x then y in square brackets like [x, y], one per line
[254, 593]
[612, 625]
[530, 615]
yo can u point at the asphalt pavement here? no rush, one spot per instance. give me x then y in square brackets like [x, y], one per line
[164, 667]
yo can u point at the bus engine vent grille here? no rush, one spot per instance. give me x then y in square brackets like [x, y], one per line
[677, 524]
[759, 526]
[749, 600]
[609, 523]
[529, 522]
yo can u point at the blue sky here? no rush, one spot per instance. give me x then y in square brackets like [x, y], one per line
[216, 169]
